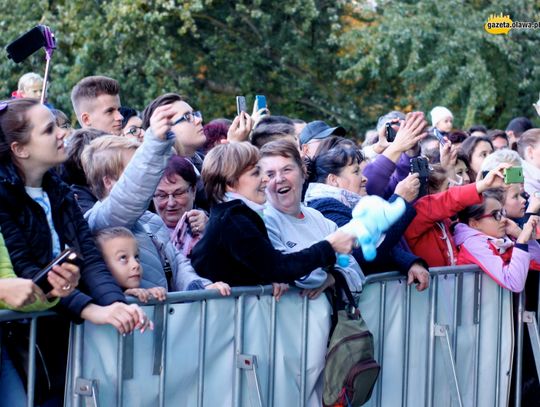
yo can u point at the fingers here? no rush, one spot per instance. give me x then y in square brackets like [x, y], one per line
[223, 288]
[142, 320]
[160, 122]
[159, 293]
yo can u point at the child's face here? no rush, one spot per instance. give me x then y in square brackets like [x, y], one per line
[33, 90]
[122, 257]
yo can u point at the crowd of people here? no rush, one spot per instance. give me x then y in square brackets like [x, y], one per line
[155, 201]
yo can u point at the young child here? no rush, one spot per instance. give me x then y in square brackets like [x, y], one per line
[30, 86]
[121, 253]
[442, 119]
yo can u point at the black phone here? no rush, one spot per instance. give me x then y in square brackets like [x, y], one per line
[240, 105]
[40, 279]
[28, 43]
[390, 132]
[420, 165]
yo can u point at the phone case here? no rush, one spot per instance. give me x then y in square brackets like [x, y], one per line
[27, 44]
[241, 104]
[40, 279]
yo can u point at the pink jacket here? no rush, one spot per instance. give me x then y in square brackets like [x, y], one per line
[509, 270]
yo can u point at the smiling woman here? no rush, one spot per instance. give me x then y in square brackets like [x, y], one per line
[236, 237]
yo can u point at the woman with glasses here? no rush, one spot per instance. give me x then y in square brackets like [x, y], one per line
[174, 202]
[131, 123]
[486, 237]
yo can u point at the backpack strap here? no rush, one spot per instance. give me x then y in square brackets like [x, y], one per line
[336, 298]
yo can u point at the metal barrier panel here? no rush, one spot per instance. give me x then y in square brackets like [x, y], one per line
[448, 346]
[207, 350]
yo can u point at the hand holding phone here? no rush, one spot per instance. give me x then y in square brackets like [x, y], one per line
[420, 165]
[40, 279]
[390, 132]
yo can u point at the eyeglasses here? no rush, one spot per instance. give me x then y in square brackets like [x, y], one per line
[188, 117]
[163, 197]
[497, 215]
[133, 131]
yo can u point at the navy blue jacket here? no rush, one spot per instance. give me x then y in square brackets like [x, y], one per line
[28, 239]
[399, 259]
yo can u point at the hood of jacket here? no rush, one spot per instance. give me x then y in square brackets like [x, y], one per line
[462, 232]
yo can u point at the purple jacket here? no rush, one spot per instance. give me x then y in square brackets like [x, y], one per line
[383, 175]
[508, 271]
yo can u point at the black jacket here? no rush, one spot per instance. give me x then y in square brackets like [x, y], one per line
[236, 249]
[28, 238]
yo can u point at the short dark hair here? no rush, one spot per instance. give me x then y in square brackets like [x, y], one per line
[333, 160]
[127, 113]
[265, 133]
[91, 87]
[166, 99]
[457, 136]
[519, 125]
[215, 131]
[180, 166]
[478, 127]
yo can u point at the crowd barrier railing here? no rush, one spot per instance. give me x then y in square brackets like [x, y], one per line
[206, 350]
[451, 345]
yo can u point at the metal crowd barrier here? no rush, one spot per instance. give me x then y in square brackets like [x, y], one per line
[449, 346]
[243, 350]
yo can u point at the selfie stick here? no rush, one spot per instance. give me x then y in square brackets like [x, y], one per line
[50, 46]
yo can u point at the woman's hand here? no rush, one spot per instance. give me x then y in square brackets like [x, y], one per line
[529, 230]
[341, 242]
[534, 204]
[223, 288]
[418, 273]
[493, 179]
[63, 279]
[125, 318]
[160, 121]
[512, 229]
[279, 289]
[19, 292]
[408, 188]
[240, 128]
[197, 221]
[314, 293]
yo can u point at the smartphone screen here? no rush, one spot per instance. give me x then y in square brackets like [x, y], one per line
[240, 105]
[261, 102]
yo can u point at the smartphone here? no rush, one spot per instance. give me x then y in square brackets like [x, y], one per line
[513, 175]
[261, 102]
[390, 132]
[30, 42]
[439, 136]
[240, 105]
[420, 165]
[40, 279]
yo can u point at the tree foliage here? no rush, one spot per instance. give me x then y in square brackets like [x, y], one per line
[342, 61]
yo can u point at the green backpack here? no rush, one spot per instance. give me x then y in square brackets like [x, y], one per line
[350, 371]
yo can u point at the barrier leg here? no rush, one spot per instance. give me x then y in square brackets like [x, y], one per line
[249, 364]
[519, 351]
[530, 320]
[31, 363]
[441, 331]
